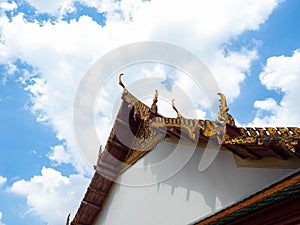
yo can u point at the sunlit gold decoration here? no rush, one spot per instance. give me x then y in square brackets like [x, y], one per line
[176, 110]
[146, 137]
[223, 115]
[191, 126]
[286, 138]
[141, 147]
[120, 80]
[154, 108]
[140, 109]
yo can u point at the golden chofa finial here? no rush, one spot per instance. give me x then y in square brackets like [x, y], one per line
[178, 113]
[223, 104]
[223, 115]
[120, 80]
[154, 108]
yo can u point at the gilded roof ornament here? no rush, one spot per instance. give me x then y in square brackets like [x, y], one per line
[120, 81]
[285, 138]
[154, 108]
[223, 115]
[176, 110]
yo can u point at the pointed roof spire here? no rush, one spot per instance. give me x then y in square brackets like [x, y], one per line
[154, 108]
[120, 80]
[176, 110]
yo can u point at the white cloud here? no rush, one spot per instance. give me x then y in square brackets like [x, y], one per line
[51, 195]
[268, 104]
[59, 155]
[1, 216]
[281, 73]
[2, 180]
[230, 70]
[61, 52]
[60, 7]
[8, 6]
[51, 7]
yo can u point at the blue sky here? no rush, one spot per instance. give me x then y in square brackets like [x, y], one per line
[46, 48]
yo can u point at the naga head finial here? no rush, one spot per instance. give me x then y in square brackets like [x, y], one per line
[223, 113]
[176, 110]
[223, 104]
[154, 106]
[155, 97]
[120, 80]
[223, 109]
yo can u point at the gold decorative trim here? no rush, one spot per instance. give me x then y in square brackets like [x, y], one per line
[154, 108]
[287, 138]
[223, 115]
[176, 110]
[144, 146]
[120, 81]
[192, 126]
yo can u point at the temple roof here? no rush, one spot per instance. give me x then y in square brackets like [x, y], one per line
[138, 128]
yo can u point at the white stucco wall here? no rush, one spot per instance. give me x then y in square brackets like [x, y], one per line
[186, 196]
